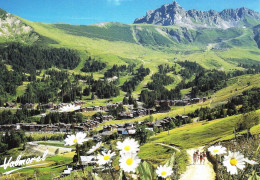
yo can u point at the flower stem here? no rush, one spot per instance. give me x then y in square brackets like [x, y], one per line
[217, 174]
[79, 160]
[110, 169]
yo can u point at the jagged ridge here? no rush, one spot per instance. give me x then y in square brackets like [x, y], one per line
[174, 14]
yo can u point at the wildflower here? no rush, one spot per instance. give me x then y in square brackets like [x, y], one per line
[129, 162]
[79, 138]
[217, 150]
[128, 146]
[134, 176]
[94, 148]
[105, 157]
[164, 171]
[251, 162]
[233, 161]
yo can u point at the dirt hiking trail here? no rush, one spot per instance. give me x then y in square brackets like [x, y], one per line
[198, 171]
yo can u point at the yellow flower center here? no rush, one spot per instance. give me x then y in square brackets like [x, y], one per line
[129, 161]
[75, 140]
[216, 151]
[106, 157]
[127, 148]
[163, 173]
[233, 162]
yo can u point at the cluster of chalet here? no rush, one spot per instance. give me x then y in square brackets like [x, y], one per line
[57, 127]
[99, 108]
[104, 118]
[46, 106]
[166, 121]
[129, 129]
[136, 113]
[10, 105]
[183, 102]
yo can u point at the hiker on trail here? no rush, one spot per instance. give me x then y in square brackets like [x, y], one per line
[204, 157]
[194, 157]
[201, 157]
[198, 155]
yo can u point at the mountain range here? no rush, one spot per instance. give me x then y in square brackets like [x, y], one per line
[168, 26]
[174, 14]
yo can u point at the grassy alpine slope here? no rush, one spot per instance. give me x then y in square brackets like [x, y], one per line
[192, 135]
[111, 47]
[101, 42]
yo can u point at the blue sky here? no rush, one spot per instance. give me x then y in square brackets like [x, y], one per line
[94, 11]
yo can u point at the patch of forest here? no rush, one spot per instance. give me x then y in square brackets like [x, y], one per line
[130, 85]
[104, 89]
[59, 86]
[249, 101]
[12, 139]
[9, 81]
[21, 115]
[157, 91]
[119, 70]
[56, 117]
[189, 69]
[31, 58]
[92, 65]
[159, 80]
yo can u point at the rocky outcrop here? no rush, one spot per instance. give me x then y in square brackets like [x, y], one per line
[174, 14]
[13, 29]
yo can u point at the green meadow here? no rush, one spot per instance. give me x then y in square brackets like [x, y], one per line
[192, 136]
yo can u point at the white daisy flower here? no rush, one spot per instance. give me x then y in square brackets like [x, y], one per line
[105, 157]
[79, 138]
[164, 171]
[134, 176]
[129, 162]
[94, 148]
[128, 146]
[251, 162]
[216, 150]
[233, 161]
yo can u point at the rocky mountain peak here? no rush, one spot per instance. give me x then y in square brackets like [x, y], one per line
[175, 4]
[174, 14]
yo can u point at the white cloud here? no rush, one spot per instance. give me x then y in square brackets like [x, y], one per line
[116, 2]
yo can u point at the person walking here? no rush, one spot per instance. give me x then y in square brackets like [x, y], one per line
[204, 157]
[194, 157]
[198, 156]
[201, 157]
